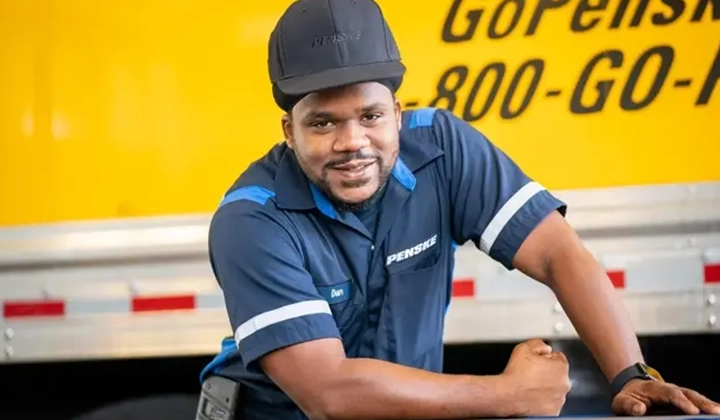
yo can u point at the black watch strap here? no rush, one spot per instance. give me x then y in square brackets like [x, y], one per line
[636, 371]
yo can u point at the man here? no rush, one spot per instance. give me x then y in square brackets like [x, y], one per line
[335, 250]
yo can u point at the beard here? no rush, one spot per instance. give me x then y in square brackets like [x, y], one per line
[341, 205]
[348, 206]
[353, 206]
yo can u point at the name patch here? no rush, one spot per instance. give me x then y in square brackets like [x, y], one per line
[336, 293]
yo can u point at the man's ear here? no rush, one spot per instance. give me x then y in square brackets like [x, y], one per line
[288, 130]
[398, 113]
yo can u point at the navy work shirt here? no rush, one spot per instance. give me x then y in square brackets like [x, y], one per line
[293, 269]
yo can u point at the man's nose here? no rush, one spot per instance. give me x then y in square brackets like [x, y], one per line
[350, 138]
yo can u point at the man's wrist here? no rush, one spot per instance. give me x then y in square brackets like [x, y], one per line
[638, 371]
[508, 403]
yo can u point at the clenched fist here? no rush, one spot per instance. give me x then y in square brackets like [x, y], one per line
[540, 377]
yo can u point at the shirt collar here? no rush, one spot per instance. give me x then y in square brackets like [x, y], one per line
[292, 185]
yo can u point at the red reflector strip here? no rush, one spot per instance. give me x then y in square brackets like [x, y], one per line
[29, 309]
[163, 303]
[463, 288]
[617, 278]
[712, 273]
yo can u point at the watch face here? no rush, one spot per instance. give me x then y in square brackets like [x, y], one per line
[651, 372]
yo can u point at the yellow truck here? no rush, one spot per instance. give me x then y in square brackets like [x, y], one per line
[122, 124]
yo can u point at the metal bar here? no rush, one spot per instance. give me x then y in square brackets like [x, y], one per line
[595, 214]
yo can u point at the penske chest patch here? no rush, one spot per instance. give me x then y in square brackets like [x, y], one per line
[412, 251]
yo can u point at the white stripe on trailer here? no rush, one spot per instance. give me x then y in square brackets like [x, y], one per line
[712, 256]
[210, 301]
[662, 272]
[77, 307]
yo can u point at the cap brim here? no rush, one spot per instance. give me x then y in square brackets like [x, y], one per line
[301, 85]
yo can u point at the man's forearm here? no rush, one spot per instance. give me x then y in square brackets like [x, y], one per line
[371, 389]
[594, 308]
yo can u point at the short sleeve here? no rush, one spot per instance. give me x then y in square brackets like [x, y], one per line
[493, 202]
[270, 297]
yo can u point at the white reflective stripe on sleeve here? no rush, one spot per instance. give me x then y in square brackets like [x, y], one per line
[266, 319]
[506, 212]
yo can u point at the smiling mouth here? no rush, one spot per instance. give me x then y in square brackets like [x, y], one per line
[354, 166]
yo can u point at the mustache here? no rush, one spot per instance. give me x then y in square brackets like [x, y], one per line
[349, 157]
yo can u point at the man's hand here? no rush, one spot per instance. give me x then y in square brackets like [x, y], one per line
[638, 396]
[541, 378]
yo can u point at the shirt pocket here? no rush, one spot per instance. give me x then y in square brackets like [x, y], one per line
[345, 303]
[415, 308]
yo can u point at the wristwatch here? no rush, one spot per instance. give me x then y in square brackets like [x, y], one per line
[636, 371]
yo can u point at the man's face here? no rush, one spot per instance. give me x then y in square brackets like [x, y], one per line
[346, 140]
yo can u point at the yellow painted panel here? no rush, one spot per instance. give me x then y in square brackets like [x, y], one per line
[134, 108]
[671, 138]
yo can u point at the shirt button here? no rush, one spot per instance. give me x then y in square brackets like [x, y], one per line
[372, 247]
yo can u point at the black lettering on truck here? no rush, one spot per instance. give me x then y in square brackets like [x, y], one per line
[665, 54]
[543, 5]
[622, 10]
[702, 6]
[577, 25]
[677, 7]
[710, 81]
[493, 33]
[602, 87]
[473, 20]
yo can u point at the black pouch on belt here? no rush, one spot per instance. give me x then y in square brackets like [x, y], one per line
[219, 399]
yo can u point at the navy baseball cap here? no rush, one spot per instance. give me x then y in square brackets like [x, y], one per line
[320, 44]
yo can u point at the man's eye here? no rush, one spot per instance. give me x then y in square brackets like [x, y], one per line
[320, 124]
[371, 117]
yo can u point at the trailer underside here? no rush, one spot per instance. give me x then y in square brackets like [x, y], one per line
[97, 313]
